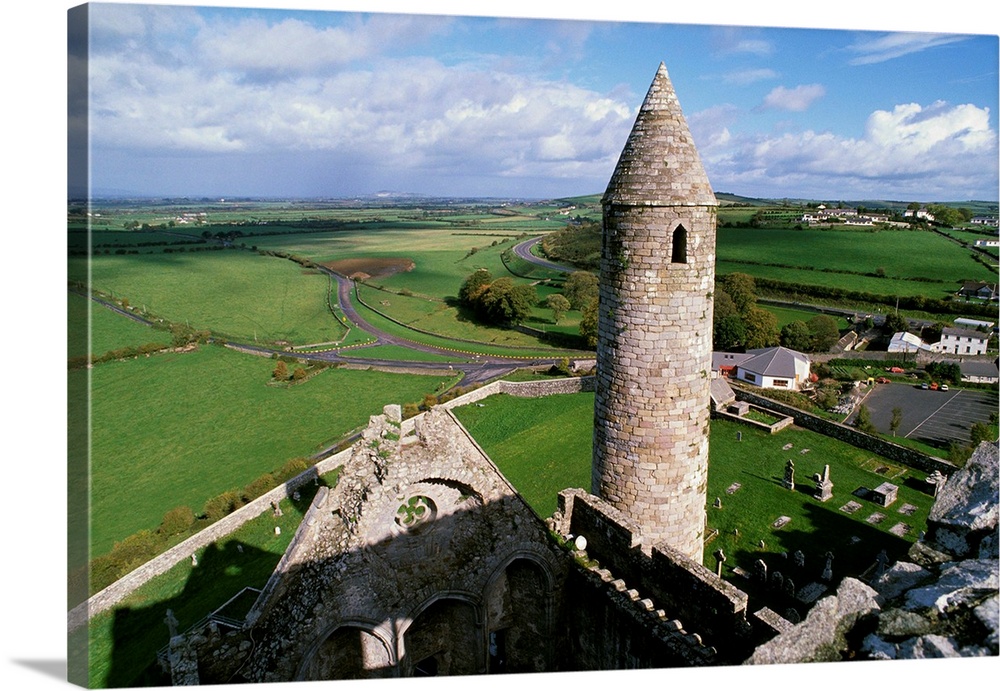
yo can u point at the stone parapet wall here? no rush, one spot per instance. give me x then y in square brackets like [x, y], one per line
[850, 435]
[524, 389]
[672, 582]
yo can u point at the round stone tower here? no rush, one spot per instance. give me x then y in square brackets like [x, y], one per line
[654, 348]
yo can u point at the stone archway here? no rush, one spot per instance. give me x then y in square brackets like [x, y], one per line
[445, 639]
[350, 652]
[519, 616]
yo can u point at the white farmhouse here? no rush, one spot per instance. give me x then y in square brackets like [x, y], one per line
[962, 341]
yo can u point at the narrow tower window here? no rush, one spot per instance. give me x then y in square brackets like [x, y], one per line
[679, 252]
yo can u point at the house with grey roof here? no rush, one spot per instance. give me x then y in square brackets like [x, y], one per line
[962, 341]
[769, 368]
[979, 372]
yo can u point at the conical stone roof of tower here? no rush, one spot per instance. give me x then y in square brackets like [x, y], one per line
[659, 165]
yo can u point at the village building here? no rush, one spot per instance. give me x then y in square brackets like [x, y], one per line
[768, 368]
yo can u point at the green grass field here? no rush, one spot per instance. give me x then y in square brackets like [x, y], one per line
[543, 445]
[786, 315]
[176, 429]
[817, 255]
[238, 295]
[109, 330]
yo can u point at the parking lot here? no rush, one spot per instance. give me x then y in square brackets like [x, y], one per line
[934, 417]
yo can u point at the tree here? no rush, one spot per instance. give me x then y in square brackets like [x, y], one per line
[729, 333]
[896, 421]
[558, 304]
[588, 323]
[796, 335]
[824, 332]
[580, 288]
[863, 420]
[299, 374]
[742, 290]
[505, 302]
[762, 328]
[723, 305]
[280, 371]
[981, 432]
[894, 323]
[473, 287]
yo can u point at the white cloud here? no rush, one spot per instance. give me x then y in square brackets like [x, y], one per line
[796, 99]
[895, 45]
[912, 150]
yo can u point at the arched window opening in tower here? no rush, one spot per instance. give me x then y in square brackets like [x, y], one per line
[679, 246]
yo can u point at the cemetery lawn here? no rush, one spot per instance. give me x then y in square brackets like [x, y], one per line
[543, 446]
[757, 463]
[123, 641]
[176, 429]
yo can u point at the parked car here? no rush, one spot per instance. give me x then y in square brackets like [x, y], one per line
[934, 386]
[944, 387]
[925, 386]
[895, 370]
[882, 380]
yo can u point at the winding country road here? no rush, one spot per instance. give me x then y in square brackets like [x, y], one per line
[481, 369]
[523, 250]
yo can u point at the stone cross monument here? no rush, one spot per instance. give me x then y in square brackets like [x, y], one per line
[654, 347]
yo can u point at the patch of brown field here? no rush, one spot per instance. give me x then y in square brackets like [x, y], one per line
[370, 267]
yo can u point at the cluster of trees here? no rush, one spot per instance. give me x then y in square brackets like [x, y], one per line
[944, 215]
[737, 321]
[498, 301]
[815, 335]
[579, 245]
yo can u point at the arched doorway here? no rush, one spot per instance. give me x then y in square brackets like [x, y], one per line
[444, 639]
[350, 652]
[519, 619]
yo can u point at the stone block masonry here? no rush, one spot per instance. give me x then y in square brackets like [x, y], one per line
[653, 383]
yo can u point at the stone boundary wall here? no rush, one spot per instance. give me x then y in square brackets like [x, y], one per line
[117, 591]
[849, 435]
[120, 589]
[523, 389]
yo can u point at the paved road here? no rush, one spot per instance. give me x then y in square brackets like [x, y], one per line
[523, 250]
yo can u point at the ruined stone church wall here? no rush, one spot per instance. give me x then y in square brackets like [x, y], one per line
[682, 587]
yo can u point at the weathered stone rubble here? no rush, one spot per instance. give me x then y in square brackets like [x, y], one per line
[943, 603]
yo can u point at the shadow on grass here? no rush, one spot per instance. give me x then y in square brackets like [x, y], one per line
[137, 633]
[854, 545]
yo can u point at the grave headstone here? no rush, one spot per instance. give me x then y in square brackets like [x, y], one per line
[276, 509]
[718, 503]
[824, 488]
[789, 588]
[799, 558]
[789, 481]
[760, 570]
[828, 569]
[881, 562]
[720, 559]
[194, 559]
[777, 580]
[935, 480]
[171, 622]
[277, 530]
[792, 615]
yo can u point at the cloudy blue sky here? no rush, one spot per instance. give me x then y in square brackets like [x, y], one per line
[230, 102]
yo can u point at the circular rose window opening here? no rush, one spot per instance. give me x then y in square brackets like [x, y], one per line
[416, 513]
